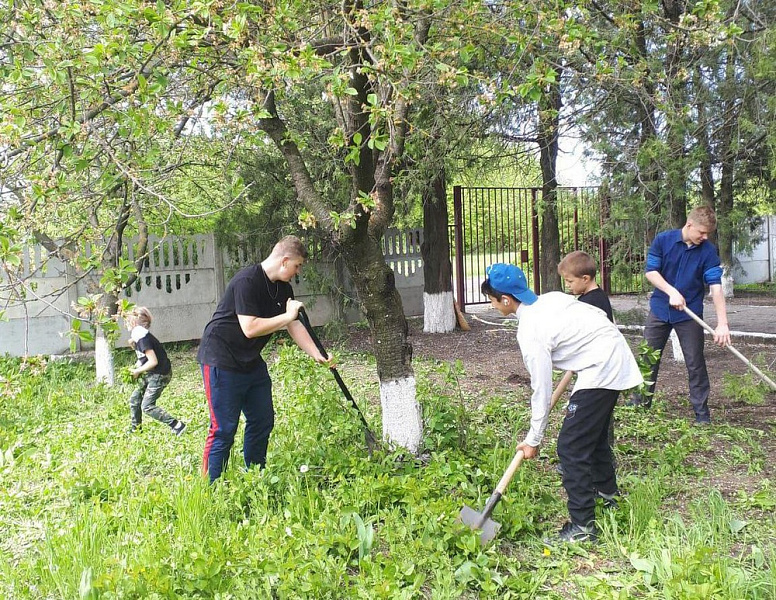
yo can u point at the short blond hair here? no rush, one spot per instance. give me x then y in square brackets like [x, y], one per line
[142, 316]
[577, 264]
[290, 246]
[703, 216]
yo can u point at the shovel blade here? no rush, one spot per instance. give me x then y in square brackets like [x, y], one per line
[472, 518]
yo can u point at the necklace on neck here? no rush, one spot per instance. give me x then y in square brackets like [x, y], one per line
[269, 291]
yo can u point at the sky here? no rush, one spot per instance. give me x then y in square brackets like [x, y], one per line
[572, 168]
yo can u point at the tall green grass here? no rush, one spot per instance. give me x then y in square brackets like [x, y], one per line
[89, 511]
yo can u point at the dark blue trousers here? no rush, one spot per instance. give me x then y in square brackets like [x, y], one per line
[690, 336]
[228, 394]
[584, 451]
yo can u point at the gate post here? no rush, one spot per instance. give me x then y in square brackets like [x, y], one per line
[460, 290]
[535, 241]
[603, 247]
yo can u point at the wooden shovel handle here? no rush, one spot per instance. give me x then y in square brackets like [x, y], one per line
[730, 347]
[519, 456]
[562, 385]
[510, 472]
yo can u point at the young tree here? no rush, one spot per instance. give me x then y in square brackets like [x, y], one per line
[94, 101]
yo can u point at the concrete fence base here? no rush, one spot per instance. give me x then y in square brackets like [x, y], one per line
[181, 284]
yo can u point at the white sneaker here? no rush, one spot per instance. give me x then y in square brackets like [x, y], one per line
[179, 428]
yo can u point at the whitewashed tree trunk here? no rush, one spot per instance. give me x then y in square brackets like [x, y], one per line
[676, 347]
[727, 281]
[402, 421]
[103, 358]
[438, 312]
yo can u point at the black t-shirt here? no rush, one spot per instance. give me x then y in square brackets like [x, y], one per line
[599, 299]
[149, 342]
[251, 293]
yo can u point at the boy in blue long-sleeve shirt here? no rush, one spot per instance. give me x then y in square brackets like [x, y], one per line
[680, 263]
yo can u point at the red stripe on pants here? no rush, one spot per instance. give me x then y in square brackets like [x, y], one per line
[211, 433]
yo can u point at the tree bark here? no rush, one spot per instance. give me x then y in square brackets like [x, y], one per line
[548, 132]
[676, 161]
[650, 172]
[382, 306]
[438, 310]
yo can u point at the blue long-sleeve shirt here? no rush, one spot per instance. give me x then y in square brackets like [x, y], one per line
[687, 268]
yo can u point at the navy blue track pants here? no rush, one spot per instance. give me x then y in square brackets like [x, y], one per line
[228, 394]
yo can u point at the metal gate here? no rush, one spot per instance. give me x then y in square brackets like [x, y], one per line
[502, 225]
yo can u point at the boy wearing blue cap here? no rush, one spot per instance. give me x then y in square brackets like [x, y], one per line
[555, 330]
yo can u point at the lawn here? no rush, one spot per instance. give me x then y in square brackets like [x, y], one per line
[88, 510]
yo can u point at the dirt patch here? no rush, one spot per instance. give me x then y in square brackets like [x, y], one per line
[752, 299]
[492, 362]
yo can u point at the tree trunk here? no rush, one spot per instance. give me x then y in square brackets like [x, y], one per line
[676, 161]
[650, 173]
[103, 357]
[105, 340]
[361, 250]
[381, 303]
[549, 121]
[706, 156]
[727, 156]
[438, 310]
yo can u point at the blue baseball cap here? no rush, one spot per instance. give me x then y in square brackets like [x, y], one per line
[509, 279]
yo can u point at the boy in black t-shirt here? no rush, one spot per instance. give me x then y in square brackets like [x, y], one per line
[578, 270]
[257, 302]
[154, 369]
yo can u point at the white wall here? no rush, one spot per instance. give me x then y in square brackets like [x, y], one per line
[760, 265]
[181, 285]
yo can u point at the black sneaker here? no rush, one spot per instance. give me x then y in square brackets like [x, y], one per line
[573, 533]
[135, 429]
[610, 500]
[639, 400]
[178, 428]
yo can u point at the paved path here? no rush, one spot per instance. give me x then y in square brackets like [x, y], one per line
[748, 322]
[745, 320]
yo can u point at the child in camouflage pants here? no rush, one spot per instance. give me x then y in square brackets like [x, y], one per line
[154, 370]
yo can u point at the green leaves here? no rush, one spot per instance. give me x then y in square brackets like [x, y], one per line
[364, 532]
[114, 278]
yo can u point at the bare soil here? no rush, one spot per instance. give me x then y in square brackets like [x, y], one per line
[493, 365]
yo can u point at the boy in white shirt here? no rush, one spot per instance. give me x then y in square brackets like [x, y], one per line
[555, 330]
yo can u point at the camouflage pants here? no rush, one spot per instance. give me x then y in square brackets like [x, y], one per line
[143, 399]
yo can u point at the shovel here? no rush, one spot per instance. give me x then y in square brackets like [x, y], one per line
[482, 520]
[371, 440]
[735, 352]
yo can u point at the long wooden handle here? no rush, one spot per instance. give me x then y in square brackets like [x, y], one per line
[735, 352]
[510, 472]
[519, 456]
[562, 385]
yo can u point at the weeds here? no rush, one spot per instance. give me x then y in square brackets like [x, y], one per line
[87, 511]
[745, 388]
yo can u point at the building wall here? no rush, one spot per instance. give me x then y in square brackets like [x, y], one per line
[760, 265]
